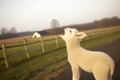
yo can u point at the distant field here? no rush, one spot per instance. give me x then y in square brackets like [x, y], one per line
[50, 64]
[29, 38]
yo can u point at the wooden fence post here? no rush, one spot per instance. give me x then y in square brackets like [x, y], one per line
[56, 40]
[26, 51]
[4, 55]
[42, 45]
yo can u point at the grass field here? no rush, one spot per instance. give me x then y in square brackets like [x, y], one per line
[47, 66]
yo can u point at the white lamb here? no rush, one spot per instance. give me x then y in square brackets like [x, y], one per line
[99, 63]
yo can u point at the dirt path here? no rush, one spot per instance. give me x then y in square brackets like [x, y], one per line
[113, 49]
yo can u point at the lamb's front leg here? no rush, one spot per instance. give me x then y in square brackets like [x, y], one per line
[75, 72]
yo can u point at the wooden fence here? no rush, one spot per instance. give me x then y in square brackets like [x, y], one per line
[92, 34]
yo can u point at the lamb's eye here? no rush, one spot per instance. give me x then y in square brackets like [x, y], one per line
[71, 31]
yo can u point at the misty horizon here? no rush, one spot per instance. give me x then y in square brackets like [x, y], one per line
[36, 15]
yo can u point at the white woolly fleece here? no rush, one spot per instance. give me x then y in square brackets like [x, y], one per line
[99, 63]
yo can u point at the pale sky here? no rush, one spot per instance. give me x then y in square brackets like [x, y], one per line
[32, 15]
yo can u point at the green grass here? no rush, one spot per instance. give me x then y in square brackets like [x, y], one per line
[101, 40]
[34, 64]
[16, 55]
[41, 67]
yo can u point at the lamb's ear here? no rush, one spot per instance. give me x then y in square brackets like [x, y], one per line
[81, 35]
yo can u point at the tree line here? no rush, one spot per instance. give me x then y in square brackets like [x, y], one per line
[106, 22]
[4, 30]
[5, 33]
[55, 27]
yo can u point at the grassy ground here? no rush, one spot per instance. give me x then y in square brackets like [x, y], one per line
[16, 55]
[51, 64]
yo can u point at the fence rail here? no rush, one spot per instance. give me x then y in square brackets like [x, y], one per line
[25, 43]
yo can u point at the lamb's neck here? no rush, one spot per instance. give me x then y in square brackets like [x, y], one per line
[71, 45]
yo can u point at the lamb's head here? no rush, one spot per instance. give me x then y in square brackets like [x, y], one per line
[72, 33]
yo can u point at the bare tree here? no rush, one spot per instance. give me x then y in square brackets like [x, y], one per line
[3, 30]
[13, 30]
[54, 25]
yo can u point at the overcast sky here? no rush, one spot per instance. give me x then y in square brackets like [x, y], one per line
[29, 15]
